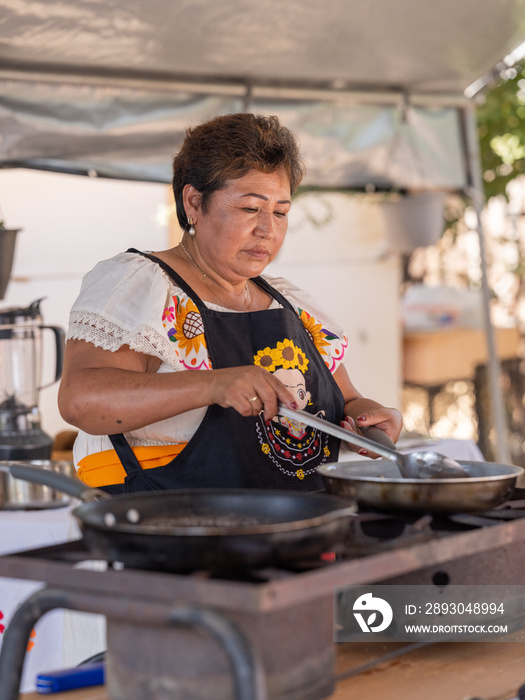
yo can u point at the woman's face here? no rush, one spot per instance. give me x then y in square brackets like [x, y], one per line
[244, 224]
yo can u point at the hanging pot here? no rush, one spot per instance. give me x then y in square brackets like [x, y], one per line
[413, 221]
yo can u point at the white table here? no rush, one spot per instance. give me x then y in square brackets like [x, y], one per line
[466, 450]
[29, 529]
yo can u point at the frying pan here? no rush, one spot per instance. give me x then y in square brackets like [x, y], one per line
[379, 485]
[208, 529]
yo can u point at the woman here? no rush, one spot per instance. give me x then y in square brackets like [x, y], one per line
[183, 357]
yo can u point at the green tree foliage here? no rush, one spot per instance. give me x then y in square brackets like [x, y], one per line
[501, 130]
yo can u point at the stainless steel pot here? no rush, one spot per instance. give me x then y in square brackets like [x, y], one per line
[378, 485]
[16, 494]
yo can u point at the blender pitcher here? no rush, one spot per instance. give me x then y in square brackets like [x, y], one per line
[20, 381]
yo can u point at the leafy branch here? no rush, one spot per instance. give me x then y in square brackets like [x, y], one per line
[501, 132]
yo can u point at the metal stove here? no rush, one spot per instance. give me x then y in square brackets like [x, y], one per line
[260, 634]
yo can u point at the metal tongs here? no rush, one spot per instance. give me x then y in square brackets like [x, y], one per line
[414, 465]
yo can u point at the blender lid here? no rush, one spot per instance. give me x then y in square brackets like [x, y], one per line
[8, 315]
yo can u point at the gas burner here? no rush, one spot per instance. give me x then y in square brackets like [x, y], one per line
[378, 532]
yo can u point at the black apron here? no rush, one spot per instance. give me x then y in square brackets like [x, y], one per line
[230, 450]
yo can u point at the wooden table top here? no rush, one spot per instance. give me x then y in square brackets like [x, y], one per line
[454, 671]
[434, 357]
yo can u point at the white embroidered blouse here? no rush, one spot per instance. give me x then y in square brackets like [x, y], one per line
[130, 300]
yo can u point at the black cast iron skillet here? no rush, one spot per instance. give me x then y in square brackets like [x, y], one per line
[201, 529]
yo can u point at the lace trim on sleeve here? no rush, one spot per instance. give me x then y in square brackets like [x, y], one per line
[107, 335]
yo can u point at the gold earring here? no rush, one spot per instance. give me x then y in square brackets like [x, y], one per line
[191, 229]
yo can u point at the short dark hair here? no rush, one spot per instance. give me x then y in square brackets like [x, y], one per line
[226, 148]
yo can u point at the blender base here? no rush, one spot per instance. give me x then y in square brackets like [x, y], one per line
[28, 445]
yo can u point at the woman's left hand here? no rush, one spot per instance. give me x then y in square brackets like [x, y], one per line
[387, 419]
[360, 411]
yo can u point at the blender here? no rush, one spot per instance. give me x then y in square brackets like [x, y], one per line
[21, 329]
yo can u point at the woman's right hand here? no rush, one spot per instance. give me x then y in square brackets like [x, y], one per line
[249, 390]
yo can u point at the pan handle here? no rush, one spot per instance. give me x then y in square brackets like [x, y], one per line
[55, 480]
[377, 435]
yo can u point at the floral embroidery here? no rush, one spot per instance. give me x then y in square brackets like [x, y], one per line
[186, 331]
[316, 331]
[189, 329]
[168, 314]
[289, 356]
[338, 353]
[184, 328]
[295, 457]
[286, 355]
[323, 338]
[265, 359]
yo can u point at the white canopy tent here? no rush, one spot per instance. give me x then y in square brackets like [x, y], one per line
[374, 90]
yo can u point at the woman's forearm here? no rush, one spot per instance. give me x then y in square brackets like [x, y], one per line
[108, 400]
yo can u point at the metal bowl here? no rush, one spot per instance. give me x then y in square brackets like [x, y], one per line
[16, 494]
[378, 485]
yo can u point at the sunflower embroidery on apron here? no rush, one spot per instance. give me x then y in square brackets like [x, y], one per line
[294, 448]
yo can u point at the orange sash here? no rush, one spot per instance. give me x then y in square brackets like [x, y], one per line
[104, 468]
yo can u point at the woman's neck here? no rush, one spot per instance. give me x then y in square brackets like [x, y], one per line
[236, 296]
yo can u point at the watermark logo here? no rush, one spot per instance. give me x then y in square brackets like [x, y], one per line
[367, 602]
[421, 613]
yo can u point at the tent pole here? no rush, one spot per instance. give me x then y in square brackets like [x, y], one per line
[475, 194]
